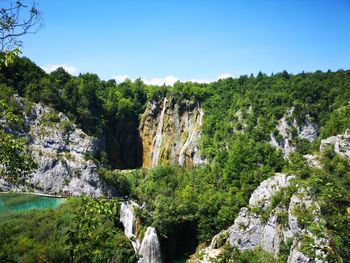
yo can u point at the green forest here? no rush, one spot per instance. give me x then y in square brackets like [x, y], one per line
[200, 201]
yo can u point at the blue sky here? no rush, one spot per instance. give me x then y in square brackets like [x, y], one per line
[191, 40]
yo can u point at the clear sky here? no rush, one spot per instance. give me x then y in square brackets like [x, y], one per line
[191, 39]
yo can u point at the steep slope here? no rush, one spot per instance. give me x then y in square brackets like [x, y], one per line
[272, 225]
[285, 216]
[170, 133]
[63, 154]
[288, 129]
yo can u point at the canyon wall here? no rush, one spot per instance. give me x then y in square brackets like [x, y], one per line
[170, 132]
[63, 154]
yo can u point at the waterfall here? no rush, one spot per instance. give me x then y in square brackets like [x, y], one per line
[172, 134]
[176, 135]
[128, 219]
[200, 115]
[192, 134]
[157, 141]
[150, 247]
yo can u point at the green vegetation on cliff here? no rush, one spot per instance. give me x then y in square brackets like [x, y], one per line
[240, 117]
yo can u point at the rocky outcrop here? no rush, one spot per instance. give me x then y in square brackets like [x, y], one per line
[261, 225]
[261, 197]
[170, 133]
[306, 130]
[62, 152]
[313, 160]
[340, 144]
[149, 248]
[249, 230]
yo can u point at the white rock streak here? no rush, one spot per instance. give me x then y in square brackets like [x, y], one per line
[157, 141]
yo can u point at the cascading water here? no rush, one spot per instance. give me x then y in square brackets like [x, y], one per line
[157, 141]
[150, 247]
[177, 134]
[193, 134]
[200, 115]
[128, 219]
[171, 135]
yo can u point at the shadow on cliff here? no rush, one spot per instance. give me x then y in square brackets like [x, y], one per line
[180, 242]
[124, 145]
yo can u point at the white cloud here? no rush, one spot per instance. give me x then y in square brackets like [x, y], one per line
[121, 78]
[224, 76]
[69, 68]
[169, 80]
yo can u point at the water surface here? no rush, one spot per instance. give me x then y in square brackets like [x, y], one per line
[11, 202]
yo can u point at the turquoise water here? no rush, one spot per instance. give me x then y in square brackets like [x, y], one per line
[11, 202]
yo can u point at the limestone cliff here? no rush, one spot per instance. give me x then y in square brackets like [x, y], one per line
[340, 144]
[306, 130]
[270, 227]
[62, 152]
[170, 133]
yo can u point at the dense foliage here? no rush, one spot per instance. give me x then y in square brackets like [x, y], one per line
[210, 196]
[74, 232]
[240, 116]
[16, 162]
[251, 104]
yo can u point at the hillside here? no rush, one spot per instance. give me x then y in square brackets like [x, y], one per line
[250, 167]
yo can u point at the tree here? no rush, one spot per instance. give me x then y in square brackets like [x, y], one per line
[16, 20]
[15, 162]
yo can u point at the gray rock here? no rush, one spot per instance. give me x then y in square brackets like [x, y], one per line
[313, 161]
[246, 233]
[307, 130]
[60, 150]
[340, 143]
[249, 231]
[261, 196]
[296, 256]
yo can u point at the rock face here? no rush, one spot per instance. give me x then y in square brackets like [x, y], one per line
[306, 130]
[170, 133]
[250, 230]
[149, 248]
[313, 160]
[60, 150]
[340, 143]
[260, 198]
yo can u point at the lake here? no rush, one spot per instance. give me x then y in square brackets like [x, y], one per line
[11, 202]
